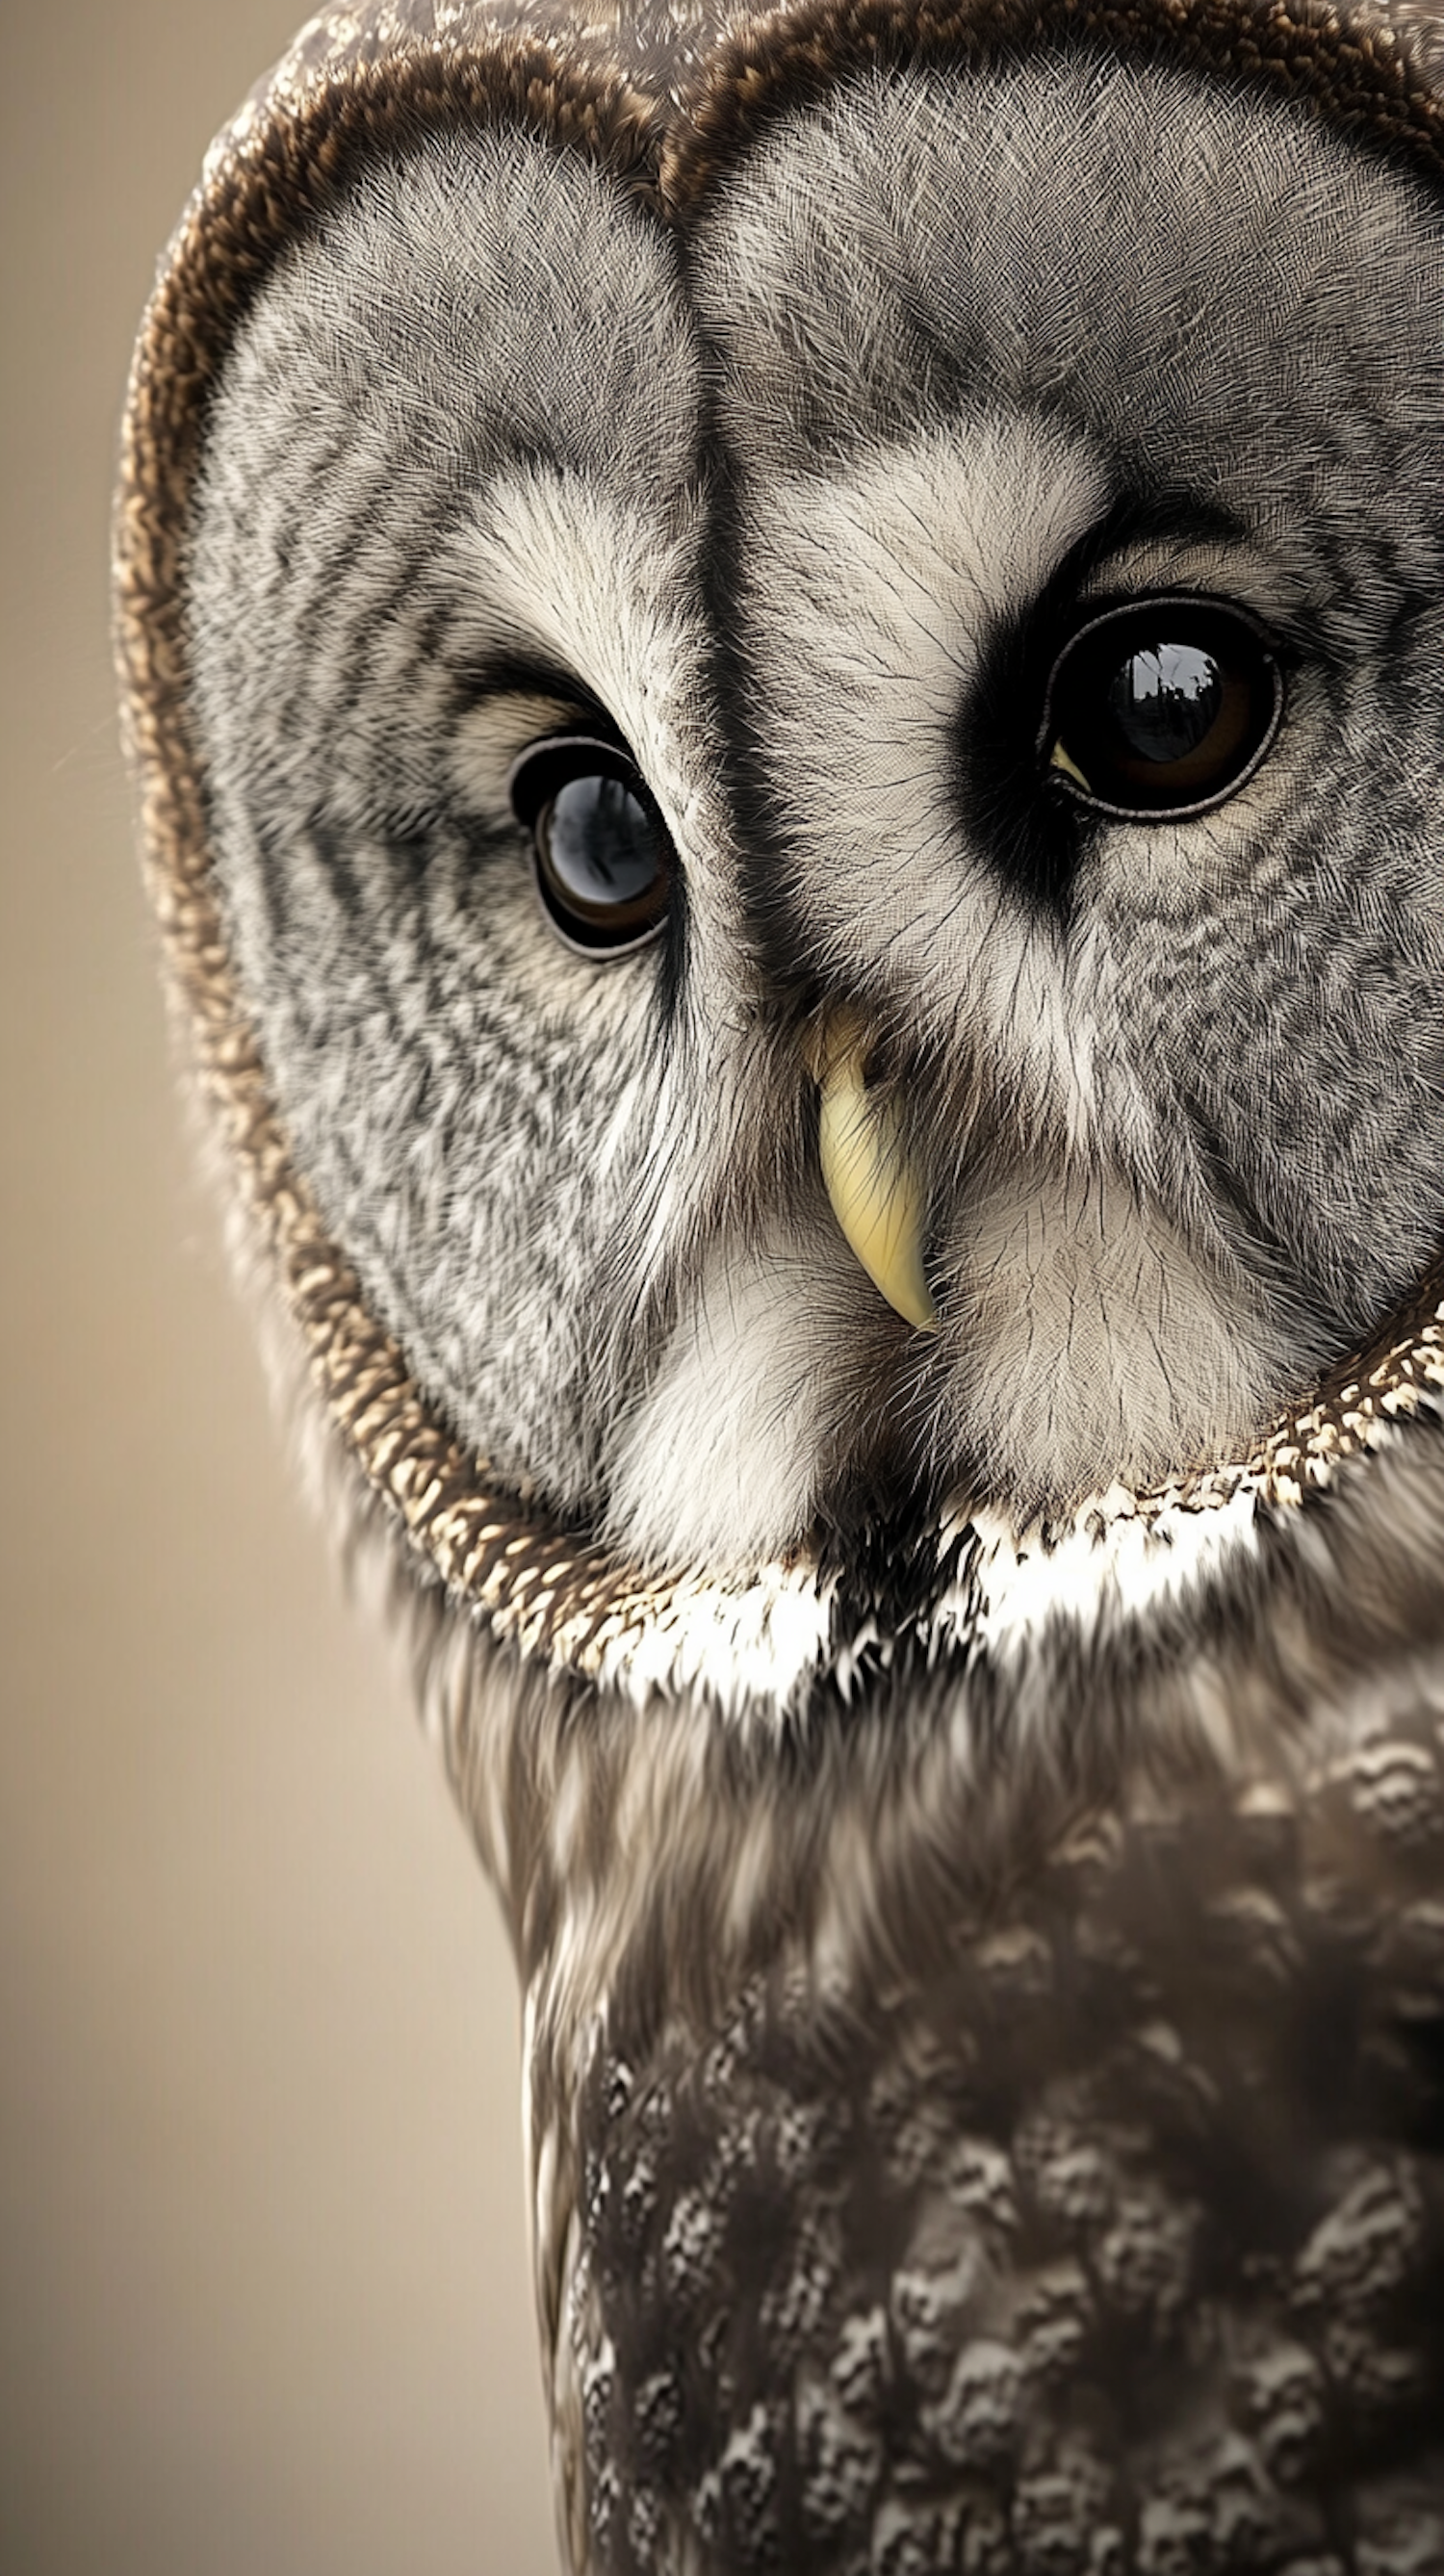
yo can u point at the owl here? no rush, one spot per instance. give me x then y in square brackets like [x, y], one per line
[787, 679]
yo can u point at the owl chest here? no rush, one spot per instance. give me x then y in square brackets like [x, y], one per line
[1047, 2234]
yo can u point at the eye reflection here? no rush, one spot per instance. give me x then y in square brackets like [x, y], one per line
[598, 846]
[600, 854]
[1164, 707]
[1165, 700]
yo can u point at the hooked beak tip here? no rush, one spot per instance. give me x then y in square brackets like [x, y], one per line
[866, 1169]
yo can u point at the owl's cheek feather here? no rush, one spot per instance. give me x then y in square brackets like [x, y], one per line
[781, 1345]
[1087, 1339]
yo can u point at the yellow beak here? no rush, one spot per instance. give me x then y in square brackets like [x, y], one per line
[874, 1192]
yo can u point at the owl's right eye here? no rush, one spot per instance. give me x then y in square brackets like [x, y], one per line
[600, 853]
[1161, 708]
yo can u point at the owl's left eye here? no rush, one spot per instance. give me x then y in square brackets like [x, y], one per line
[600, 853]
[1162, 708]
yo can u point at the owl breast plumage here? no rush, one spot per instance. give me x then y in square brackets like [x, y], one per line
[786, 674]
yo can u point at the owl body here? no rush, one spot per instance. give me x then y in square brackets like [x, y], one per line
[786, 675]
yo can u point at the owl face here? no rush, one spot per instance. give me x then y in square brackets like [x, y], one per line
[977, 590]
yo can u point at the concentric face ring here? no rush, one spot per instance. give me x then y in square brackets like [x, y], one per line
[268, 174]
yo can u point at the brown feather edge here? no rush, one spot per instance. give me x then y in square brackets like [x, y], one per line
[548, 1591]
[274, 171]
[1357, 71]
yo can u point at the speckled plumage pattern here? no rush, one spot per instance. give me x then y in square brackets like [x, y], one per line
[971, 1814]
[1111, 2235]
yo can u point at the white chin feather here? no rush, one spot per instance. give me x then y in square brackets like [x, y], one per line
[722, 1461]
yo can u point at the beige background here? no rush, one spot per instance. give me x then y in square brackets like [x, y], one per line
[264, 2302]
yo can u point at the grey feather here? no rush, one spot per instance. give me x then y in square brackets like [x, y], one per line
[969, 1806]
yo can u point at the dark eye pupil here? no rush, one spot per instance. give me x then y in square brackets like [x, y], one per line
[599, 846]
[1165, 700]
[1161, 707]
[601, 857]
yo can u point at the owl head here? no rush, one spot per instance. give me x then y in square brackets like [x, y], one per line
[803, 743]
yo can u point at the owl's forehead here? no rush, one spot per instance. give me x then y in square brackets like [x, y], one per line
[1165, 265]
[1182, 286]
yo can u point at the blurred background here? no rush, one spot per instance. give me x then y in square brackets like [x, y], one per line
[264, 2301]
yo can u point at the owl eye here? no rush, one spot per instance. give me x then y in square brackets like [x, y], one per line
[600, 855]
[1161, 708]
